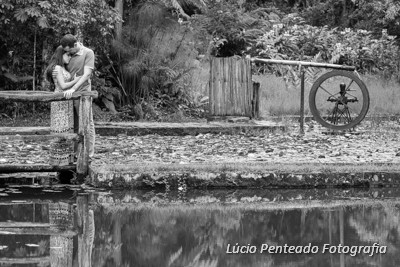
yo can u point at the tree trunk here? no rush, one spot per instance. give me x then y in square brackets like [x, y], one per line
[344, 17]
[79, 27]
[34, 68]
[45, 59]
[119, 6]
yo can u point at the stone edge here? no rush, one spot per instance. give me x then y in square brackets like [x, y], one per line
[181, 179]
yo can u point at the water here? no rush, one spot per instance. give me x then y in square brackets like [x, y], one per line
[200, 228]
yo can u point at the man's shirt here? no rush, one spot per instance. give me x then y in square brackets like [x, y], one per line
[84, 57]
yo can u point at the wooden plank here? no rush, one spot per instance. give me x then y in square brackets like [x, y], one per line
[234, 84]
[303, 63]
[244, 91]
[256, 100]
[211, 88]
[38, 231]
[40, 138]
[13, 168]
[42, 96]
[240, 102]
[249, 87]
[30, 260]
[226, 87]
[24, 130]
[82, 224]
[238, 98]
[23, 225]
[218, 84]
[232, 93]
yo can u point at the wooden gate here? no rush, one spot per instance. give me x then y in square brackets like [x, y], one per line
[231, 87]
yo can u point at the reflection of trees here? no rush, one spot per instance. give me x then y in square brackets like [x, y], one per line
[182, 236]
[153, 236]
[378, 224]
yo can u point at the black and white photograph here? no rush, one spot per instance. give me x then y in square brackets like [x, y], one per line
[199, 133]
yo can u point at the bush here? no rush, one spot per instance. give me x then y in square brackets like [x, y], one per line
[294, 40]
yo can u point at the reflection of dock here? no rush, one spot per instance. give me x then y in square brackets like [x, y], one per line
[28, 228]
[44, 233]
[31, 260]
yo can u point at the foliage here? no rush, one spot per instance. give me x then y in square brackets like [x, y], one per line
[30, 30]
[295, 40]
[47, 21]
[232, 28]
[147, 62]
[356, 14]
[146, 67]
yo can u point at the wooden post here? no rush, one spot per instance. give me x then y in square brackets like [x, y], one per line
[85, 227]
[301, 100]
[256, 100]
[82, 165]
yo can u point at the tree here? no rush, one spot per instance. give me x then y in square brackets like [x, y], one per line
[119, 6]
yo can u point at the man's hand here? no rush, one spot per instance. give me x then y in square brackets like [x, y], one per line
[68, 93]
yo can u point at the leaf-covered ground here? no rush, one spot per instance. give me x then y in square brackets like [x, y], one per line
[370, 145]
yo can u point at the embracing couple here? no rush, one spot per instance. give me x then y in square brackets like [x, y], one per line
[70, 69]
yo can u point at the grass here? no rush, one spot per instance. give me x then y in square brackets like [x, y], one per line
[280, 99]
[249, 167]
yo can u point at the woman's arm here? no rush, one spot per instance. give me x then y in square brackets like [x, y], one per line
[87, 72]
[60, 79]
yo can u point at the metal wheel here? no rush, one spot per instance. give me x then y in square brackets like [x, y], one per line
[339, 100]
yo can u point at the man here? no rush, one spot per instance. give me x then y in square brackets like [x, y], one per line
[82, 64]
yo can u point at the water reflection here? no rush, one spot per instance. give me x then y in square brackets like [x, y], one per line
[121, 229]
[46, 232]
[172, 236]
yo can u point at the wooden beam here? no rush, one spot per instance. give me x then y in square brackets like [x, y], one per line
[42, 96]
[38, 231]
[30, 260]
[12, 168]
[23, 225]
[40, 138]
[82, 164]
[24, 130]
[303, 63]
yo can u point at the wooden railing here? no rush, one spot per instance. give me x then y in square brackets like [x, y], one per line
[82, 164]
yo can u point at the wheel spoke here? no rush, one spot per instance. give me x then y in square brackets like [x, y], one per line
[328, 92]
[347, 89]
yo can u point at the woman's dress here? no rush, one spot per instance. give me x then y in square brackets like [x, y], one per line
[61, 121]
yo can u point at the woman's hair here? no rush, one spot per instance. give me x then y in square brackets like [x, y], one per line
[56, 59]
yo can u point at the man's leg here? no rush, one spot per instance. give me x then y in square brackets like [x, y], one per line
[76, 123]
[92, 133]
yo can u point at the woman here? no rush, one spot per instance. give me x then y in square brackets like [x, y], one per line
[61, 116]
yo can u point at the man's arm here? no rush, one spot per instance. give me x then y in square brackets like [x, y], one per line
[87, 72]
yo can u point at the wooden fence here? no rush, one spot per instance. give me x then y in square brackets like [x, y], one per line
[231, 87]
[82, 165]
